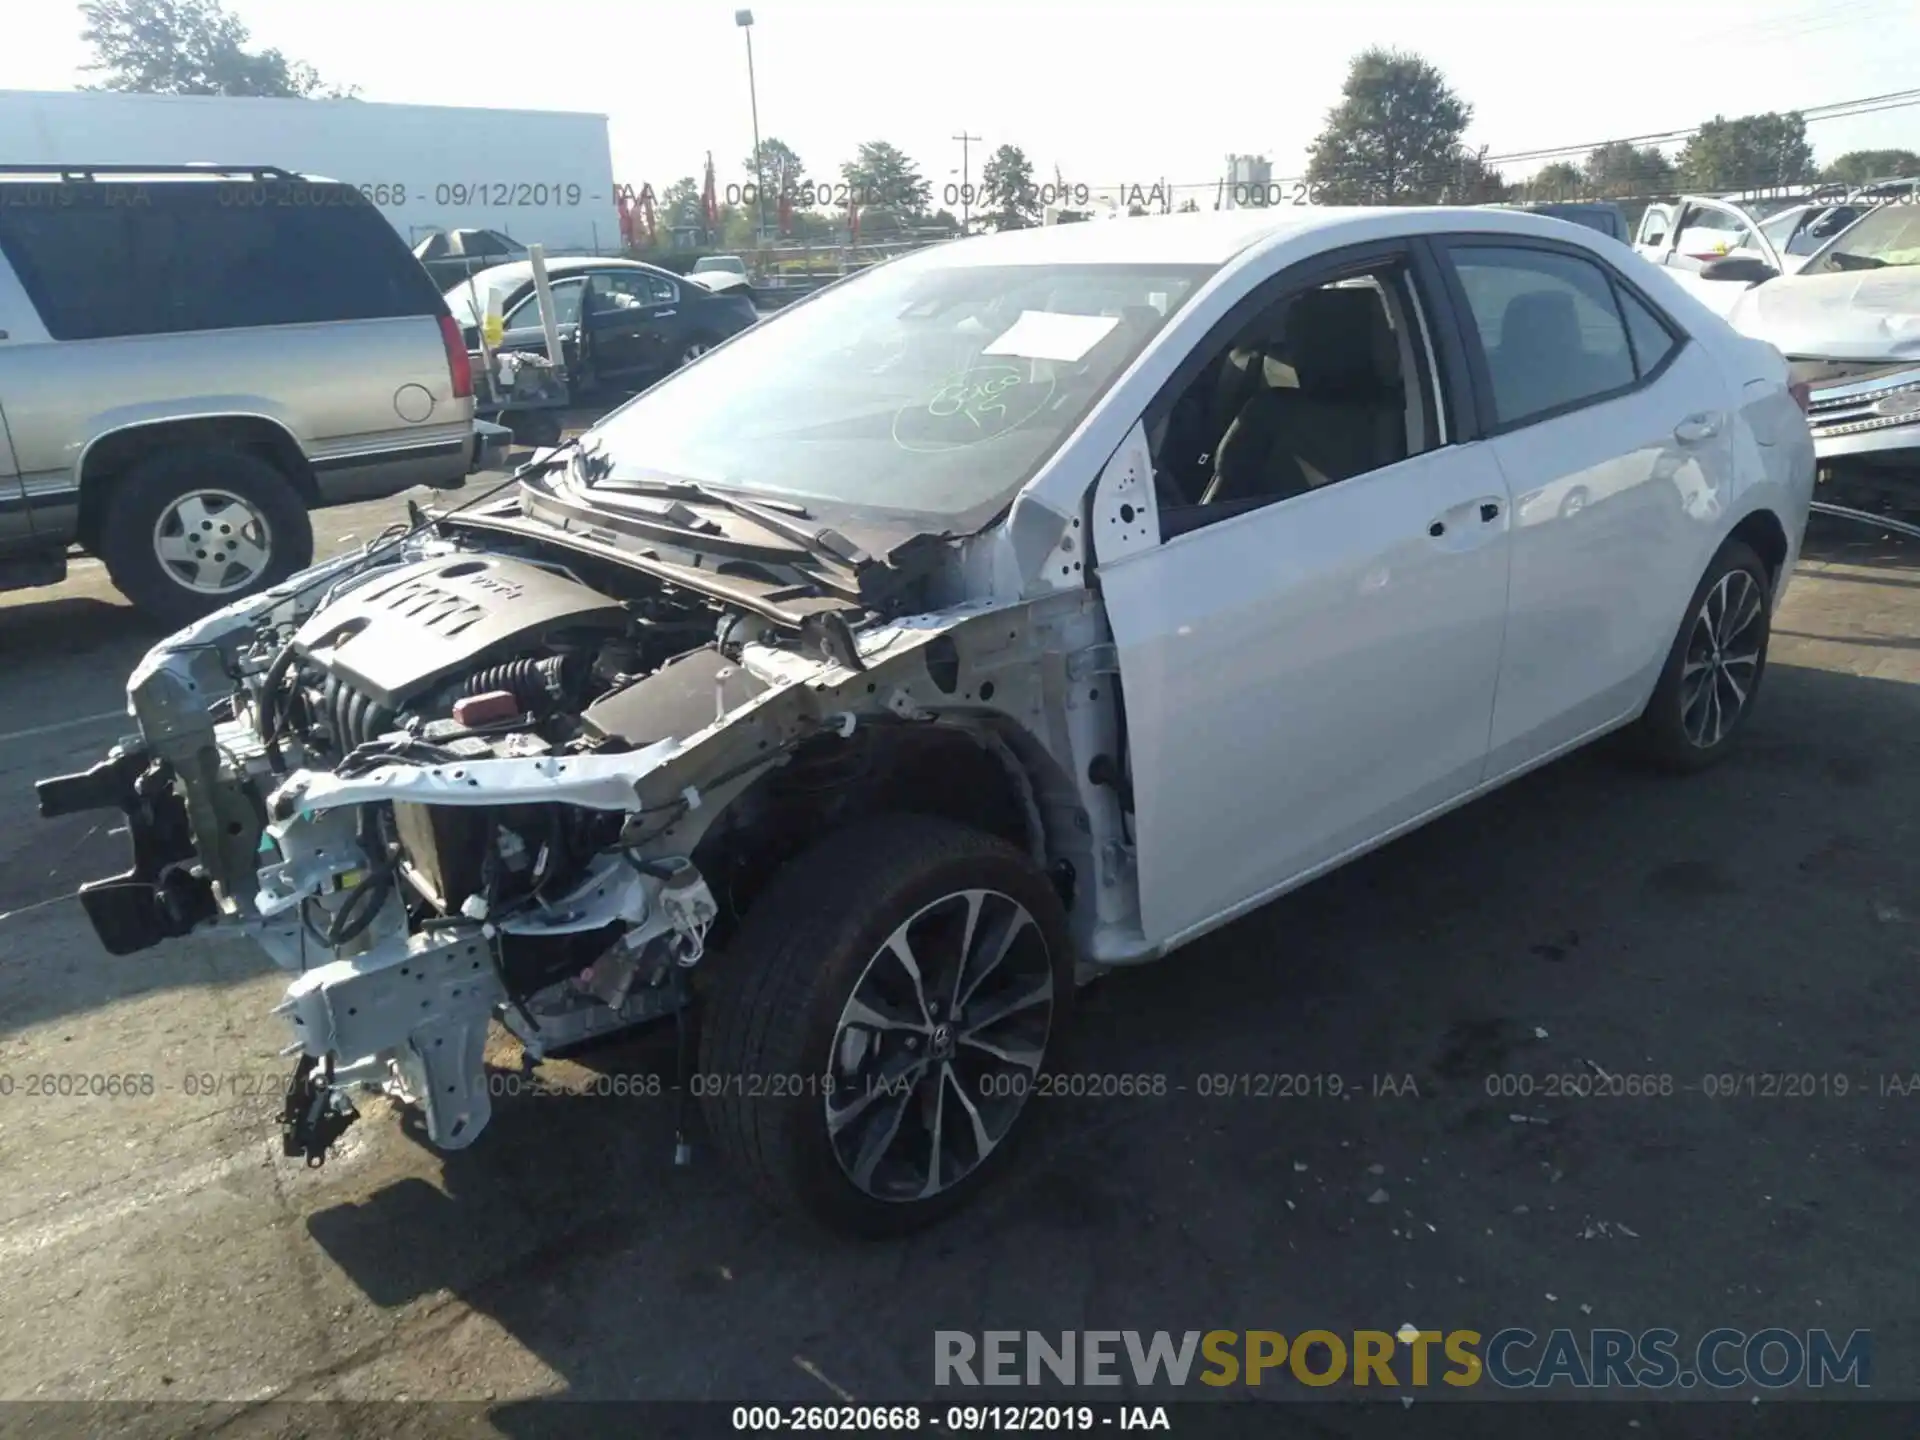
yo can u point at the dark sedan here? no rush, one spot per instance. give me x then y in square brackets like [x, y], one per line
[622, 322]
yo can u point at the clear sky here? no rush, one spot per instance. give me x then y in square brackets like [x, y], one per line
[1111, 93]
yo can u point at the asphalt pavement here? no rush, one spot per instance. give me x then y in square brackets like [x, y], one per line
[1356, 1124]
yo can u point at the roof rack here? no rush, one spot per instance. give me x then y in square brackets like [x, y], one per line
[89, 172]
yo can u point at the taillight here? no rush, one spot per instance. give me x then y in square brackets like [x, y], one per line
[1802, 394]
[459, 367]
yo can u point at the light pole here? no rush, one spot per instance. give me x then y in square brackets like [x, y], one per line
[744, 19]
[966, 179]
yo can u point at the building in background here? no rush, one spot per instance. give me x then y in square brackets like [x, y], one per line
[539, 176]
[1248, 183]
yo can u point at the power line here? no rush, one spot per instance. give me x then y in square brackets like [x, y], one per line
[1834, 110]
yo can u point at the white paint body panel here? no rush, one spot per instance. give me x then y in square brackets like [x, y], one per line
[1309, 680]
[1306, 676]
[1615, 519]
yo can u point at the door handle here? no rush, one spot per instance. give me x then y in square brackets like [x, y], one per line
[1695, 428]
[665, 314]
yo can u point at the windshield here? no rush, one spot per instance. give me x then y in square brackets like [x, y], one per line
[920, 387]
[1888, 235]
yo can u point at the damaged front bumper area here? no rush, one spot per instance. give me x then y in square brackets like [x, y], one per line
[454, 783]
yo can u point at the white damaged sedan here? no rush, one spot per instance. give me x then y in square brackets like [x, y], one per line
[1024, 607]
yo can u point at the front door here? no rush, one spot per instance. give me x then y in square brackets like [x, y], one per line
[633, 319]
[1309, 662]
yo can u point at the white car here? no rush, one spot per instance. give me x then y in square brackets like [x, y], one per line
[1024, 608]
[1845, 310]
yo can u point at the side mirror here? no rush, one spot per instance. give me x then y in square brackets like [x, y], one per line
[1742, 269]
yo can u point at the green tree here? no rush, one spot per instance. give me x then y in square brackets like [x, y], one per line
[1621, 168]
[1856, 167]
[1006, 185]
[883, 176]
[1395, 135]
[1562, 180]
[779, 167]
[189, 47]
[680, 203]
[1748, 152]
[1474, 181]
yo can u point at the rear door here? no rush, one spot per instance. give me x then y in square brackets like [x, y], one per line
[1614, 432]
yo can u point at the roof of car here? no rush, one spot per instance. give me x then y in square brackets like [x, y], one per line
[1215, 237]
[516, 273]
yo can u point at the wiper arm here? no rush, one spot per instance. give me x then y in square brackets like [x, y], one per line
[822, 541]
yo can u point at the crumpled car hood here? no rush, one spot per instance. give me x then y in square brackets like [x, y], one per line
[1862, 315]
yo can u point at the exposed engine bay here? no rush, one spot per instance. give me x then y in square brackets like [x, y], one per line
[470, 777]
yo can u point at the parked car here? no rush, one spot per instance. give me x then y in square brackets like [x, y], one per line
[1602, 215]
[189, 359]
[977, 625]
[452, 255]
[639, 321]
[1846, 314]
[720, 265]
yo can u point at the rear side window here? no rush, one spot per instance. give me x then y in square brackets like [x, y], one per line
[108, 258]
[1548, 327]
[1652, 341]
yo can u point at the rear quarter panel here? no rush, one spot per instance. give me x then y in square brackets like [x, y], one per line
[1772, 447]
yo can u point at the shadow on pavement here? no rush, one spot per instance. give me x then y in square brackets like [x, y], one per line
[1355, 1126]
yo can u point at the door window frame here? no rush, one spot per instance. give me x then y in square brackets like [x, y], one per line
[1439, 358]
[1465, 321]
[531, 300]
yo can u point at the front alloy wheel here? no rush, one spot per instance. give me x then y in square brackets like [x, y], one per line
[870, 1035]
[937, 1048]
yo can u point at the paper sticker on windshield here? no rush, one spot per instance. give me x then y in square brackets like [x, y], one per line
[983, 403]
[1048, 335]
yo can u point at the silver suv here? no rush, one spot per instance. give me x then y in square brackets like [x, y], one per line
[191, 357]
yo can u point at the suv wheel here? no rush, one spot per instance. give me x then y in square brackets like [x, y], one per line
[188, 531]
[877, 1026]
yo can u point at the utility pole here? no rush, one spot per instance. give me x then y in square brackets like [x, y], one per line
[744, 19]
[966, 175]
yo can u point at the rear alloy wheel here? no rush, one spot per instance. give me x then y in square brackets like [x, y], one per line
[873, 1033]
[695, 349]
[1713, 673]
[188, 531]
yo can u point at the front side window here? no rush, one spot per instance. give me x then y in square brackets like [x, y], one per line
[1549, 329]
[922, 387]
[566, 307]
[1323, 385]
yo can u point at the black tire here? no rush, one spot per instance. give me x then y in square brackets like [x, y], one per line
[1670, 732]
[776, 997]
[127, 542]
[685, 357]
